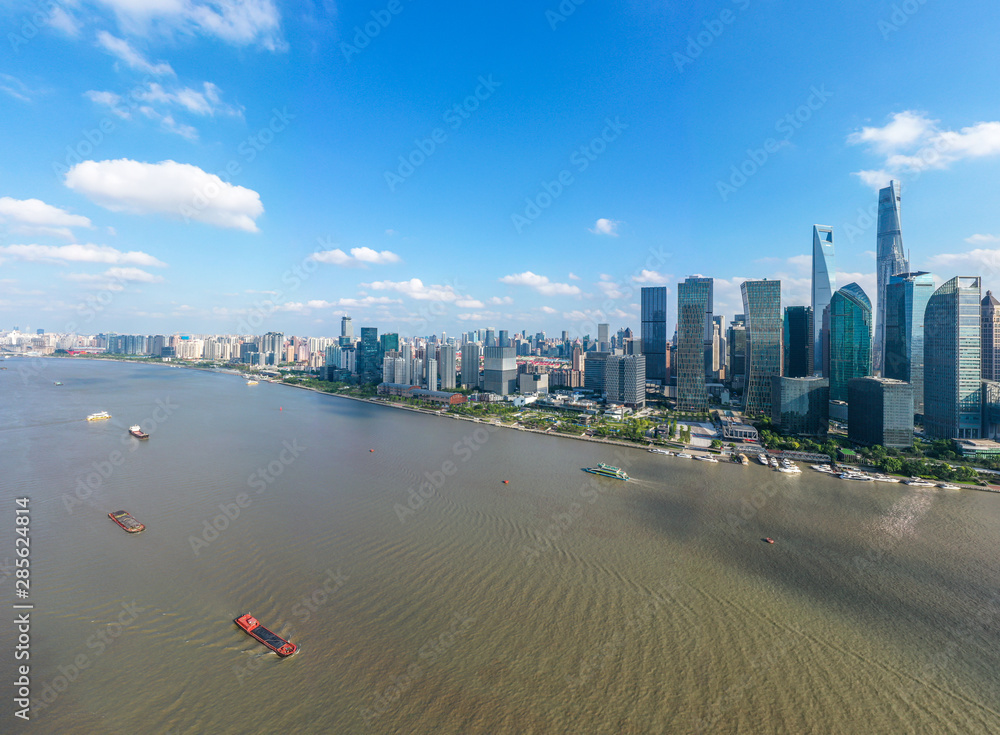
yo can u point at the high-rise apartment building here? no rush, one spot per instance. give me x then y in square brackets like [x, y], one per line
[952, 361]
[889, 260]
[824, 283]
[694, 329]
[625, 380]
[762, 305]
[654, 332]
[471, 352]
[906, 299]
[850, 338]
[447, 363]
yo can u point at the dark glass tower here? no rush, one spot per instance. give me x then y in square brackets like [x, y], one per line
[694, 301]
[850, 338]
[762, 306]
[798, 341]
[654, 332]
[906, 299]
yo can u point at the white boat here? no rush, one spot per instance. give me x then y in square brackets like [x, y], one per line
[823, 468]
[659, 451]
[706, 458]
[855, 476]
[917, 482]
[743, 459]
[683, 455]
[773, 462]
[762, 458]
[100, 415]
[948, 486]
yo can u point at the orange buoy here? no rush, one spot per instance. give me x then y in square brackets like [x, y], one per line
[371, 450]
[506, 482]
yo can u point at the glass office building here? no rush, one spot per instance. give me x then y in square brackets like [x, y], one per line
[798, 341]
[850, 338]
[694, 302]
[906, 299]
[889, 259]
[801, 405]
[654, 332]
[952, 367]
[880, 412]
[762, 306]
[824, 283]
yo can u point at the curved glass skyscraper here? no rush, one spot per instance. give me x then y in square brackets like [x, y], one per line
[889, 259]
[850, 338]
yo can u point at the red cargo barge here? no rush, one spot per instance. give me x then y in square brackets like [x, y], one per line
[270, 639]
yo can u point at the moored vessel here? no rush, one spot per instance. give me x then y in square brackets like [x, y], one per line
[706, 458]
[683, 455]
[272, 640]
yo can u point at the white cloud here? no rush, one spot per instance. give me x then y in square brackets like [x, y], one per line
[573, 277]
[391, 233]
[115, 279]
[415, 289]
[207, 101]
[978, 262]
[63, 21]
[912, 143]
[178, 190]
[541, 284]
[122, 50]
[469, 304]
[35, 216]
[80, 254]
[982, 239]
[647, 276]
[549, 310]
[606, 227]
[358, 257]
[239, 22]
[500, 300]
[15, 88]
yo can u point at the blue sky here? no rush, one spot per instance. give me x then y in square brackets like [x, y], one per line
[184, 166]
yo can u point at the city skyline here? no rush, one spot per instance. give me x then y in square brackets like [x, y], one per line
[132, 173]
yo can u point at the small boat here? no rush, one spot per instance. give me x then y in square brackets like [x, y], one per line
[137, 432]
[659, 451]
[822, 468]
[99, 416]
[789, 470]
[706, 458]
[762, 458]
[126, 521]
[768, 540]
[917, 482]
[948, 486]
[252, 382]
[270, 639]
[606, 470]
[743, 459]
[855, 476]
[683, 455]
[773, 462]
[57, 383]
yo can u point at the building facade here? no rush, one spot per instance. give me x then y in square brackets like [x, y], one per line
[824, 283]
[471, 352]
[850, 338]
[447, 366]
[952, 361]
[990, 336]
[625, 380]
[880, 412]
[889, 260]
[800, 405]
[500, 370]
[762, 306]
[694, 325]
[797, 334]
[654, 333]
[906, 299]
[593, 371]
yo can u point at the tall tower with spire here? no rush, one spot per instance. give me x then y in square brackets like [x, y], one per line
[890, 260]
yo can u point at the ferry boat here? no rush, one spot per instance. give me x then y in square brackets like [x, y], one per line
[100, 415]
[606, 470]
[272, 640]
[706, 458]
[683, 455]
[788, 466]
[137, 432]
[126, 521]
[252, 382]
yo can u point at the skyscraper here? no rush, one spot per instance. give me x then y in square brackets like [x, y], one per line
[447, 366]
[736, 339]
[906, 299]
[880, 412]
[602, 338]
[990, 337]
[471, 352]
[368, 359]
[850, 338]
[798, 335]
[762, 305]
[824, 283]
[654, 332]
[952, 361]
[625, 380]
[889, 260]
[694, 302]
[346, 330]
[500, 370]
